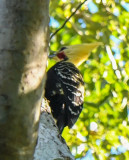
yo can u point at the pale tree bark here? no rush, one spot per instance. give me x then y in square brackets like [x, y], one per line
[50, 144]
[23, 56]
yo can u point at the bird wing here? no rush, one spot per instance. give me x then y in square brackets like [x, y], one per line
[73, 87]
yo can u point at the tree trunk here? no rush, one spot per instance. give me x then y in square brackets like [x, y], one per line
[50, 144]
[23, 56]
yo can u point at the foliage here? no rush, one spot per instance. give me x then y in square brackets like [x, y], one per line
[103, 125]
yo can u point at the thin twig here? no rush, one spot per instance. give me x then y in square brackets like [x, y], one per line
[67, 19]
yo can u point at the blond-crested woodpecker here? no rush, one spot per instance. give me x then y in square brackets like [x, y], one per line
[65, 86]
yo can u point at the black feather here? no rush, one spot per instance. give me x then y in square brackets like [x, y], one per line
[63, 92]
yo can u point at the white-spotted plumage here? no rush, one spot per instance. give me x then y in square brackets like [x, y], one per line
[68, 86]
[66, 83]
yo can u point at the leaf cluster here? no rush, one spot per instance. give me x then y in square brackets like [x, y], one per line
[103, 124]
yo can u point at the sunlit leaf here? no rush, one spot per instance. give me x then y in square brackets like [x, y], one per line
[106, 94]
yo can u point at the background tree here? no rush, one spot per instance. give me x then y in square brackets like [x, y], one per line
[102, 130]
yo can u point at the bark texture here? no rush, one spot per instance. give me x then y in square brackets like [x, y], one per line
[50, 144]
[23, 56]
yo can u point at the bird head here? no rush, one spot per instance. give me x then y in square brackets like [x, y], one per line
[76, 54]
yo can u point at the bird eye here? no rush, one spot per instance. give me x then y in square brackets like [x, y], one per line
[63, 48]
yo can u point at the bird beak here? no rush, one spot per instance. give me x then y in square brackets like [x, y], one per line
[77, 54]
[52, 56]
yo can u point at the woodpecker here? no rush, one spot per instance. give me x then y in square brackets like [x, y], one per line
[65, 86]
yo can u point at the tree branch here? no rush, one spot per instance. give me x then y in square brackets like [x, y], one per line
[67, 19]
